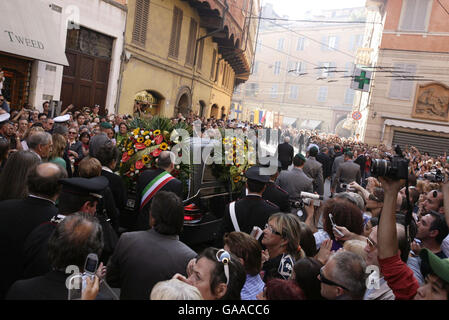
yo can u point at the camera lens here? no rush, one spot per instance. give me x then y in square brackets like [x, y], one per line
[379, 168]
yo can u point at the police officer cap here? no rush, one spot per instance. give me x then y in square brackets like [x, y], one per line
[300, 156]
[253, 173]
[84, 187]
[61, 119]
[4, 118]
[105, 125]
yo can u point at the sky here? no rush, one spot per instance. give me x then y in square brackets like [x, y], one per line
[295, 8]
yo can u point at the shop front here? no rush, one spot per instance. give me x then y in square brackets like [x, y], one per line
[26, 35]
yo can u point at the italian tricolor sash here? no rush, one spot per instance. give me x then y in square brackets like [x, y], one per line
[154, 186]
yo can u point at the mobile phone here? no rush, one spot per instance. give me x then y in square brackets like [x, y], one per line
[256, 232]
[91, 264]
[334, 226]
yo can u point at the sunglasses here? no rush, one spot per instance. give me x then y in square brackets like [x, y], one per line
[71, 132]
[224, 257]
[270, 228]
[325, 280]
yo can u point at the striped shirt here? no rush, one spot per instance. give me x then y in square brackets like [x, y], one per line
[253, 286]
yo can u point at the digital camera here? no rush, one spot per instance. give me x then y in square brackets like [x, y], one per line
[395, 168]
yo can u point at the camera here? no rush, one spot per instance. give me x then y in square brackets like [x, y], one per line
[395, 168]
[434, 176]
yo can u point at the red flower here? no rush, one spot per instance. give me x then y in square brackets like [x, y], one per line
[159, 139]
[140, 146]
[139, 164]
[125, 157]
[156, 152]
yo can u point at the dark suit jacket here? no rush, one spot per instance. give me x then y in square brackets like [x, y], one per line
[250, 211]
[285, 153]
[174, 185]
[143, 258]
[326, 161]
[278, 196]
[118, 188]
[18, 218]
[51, 286]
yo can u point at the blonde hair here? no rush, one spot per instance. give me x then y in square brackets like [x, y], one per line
[174, 289]
[89, 167]
[59, 144]
[289, 226]
[356, 246]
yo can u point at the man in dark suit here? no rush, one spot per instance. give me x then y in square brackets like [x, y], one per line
[325, 160]
[166, 164]
[108, 155]
[285, 153]
[19, 217]
[276, 194]
[347, 172]
[252, 210]
[77, 195]
[72, 241]
[143, 258]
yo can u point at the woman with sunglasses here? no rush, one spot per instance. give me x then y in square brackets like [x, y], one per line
[217, 274]
[281, 238]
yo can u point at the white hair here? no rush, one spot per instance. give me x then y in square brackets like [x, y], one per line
[174, 289]
[287, 139]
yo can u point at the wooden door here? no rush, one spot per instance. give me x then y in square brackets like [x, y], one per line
[85, 81]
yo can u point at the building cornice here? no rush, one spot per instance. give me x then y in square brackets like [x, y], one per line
[116, 4]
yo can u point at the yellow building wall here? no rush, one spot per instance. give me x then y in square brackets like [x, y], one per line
[150, 68]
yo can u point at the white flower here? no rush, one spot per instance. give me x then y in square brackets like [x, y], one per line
[123, 149]
[137, 171]
[136, 136]
[142, 132]
[132, 173]
[178, 166]
[151, 133]
[147, 137]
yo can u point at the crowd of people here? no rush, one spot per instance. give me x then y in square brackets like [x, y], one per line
[376, 237]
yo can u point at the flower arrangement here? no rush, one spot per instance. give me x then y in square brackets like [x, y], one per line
[146, 141]
[235, 162]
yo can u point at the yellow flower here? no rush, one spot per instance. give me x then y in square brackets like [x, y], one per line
[226, 140]
[237, 179]
[148, 143]
[163, 146]
[230, 157]
[131, 152]
[156, 132]
[140, 139]
[145, 159]
[146, 133]
[136, 131]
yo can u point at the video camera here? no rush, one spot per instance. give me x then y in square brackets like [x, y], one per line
[305, 198]
[395, 168]
[434, 176]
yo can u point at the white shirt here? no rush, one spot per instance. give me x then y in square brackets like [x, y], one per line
[445, 246]
[106, 169]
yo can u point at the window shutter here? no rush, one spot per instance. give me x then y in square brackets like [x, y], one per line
[395, 86]
[337, 40]
[175, 33]
[192, 42]
[407, 85]
[419, 23]
[212, 69]
[200, 54]
[324, 41]
[139, 34]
